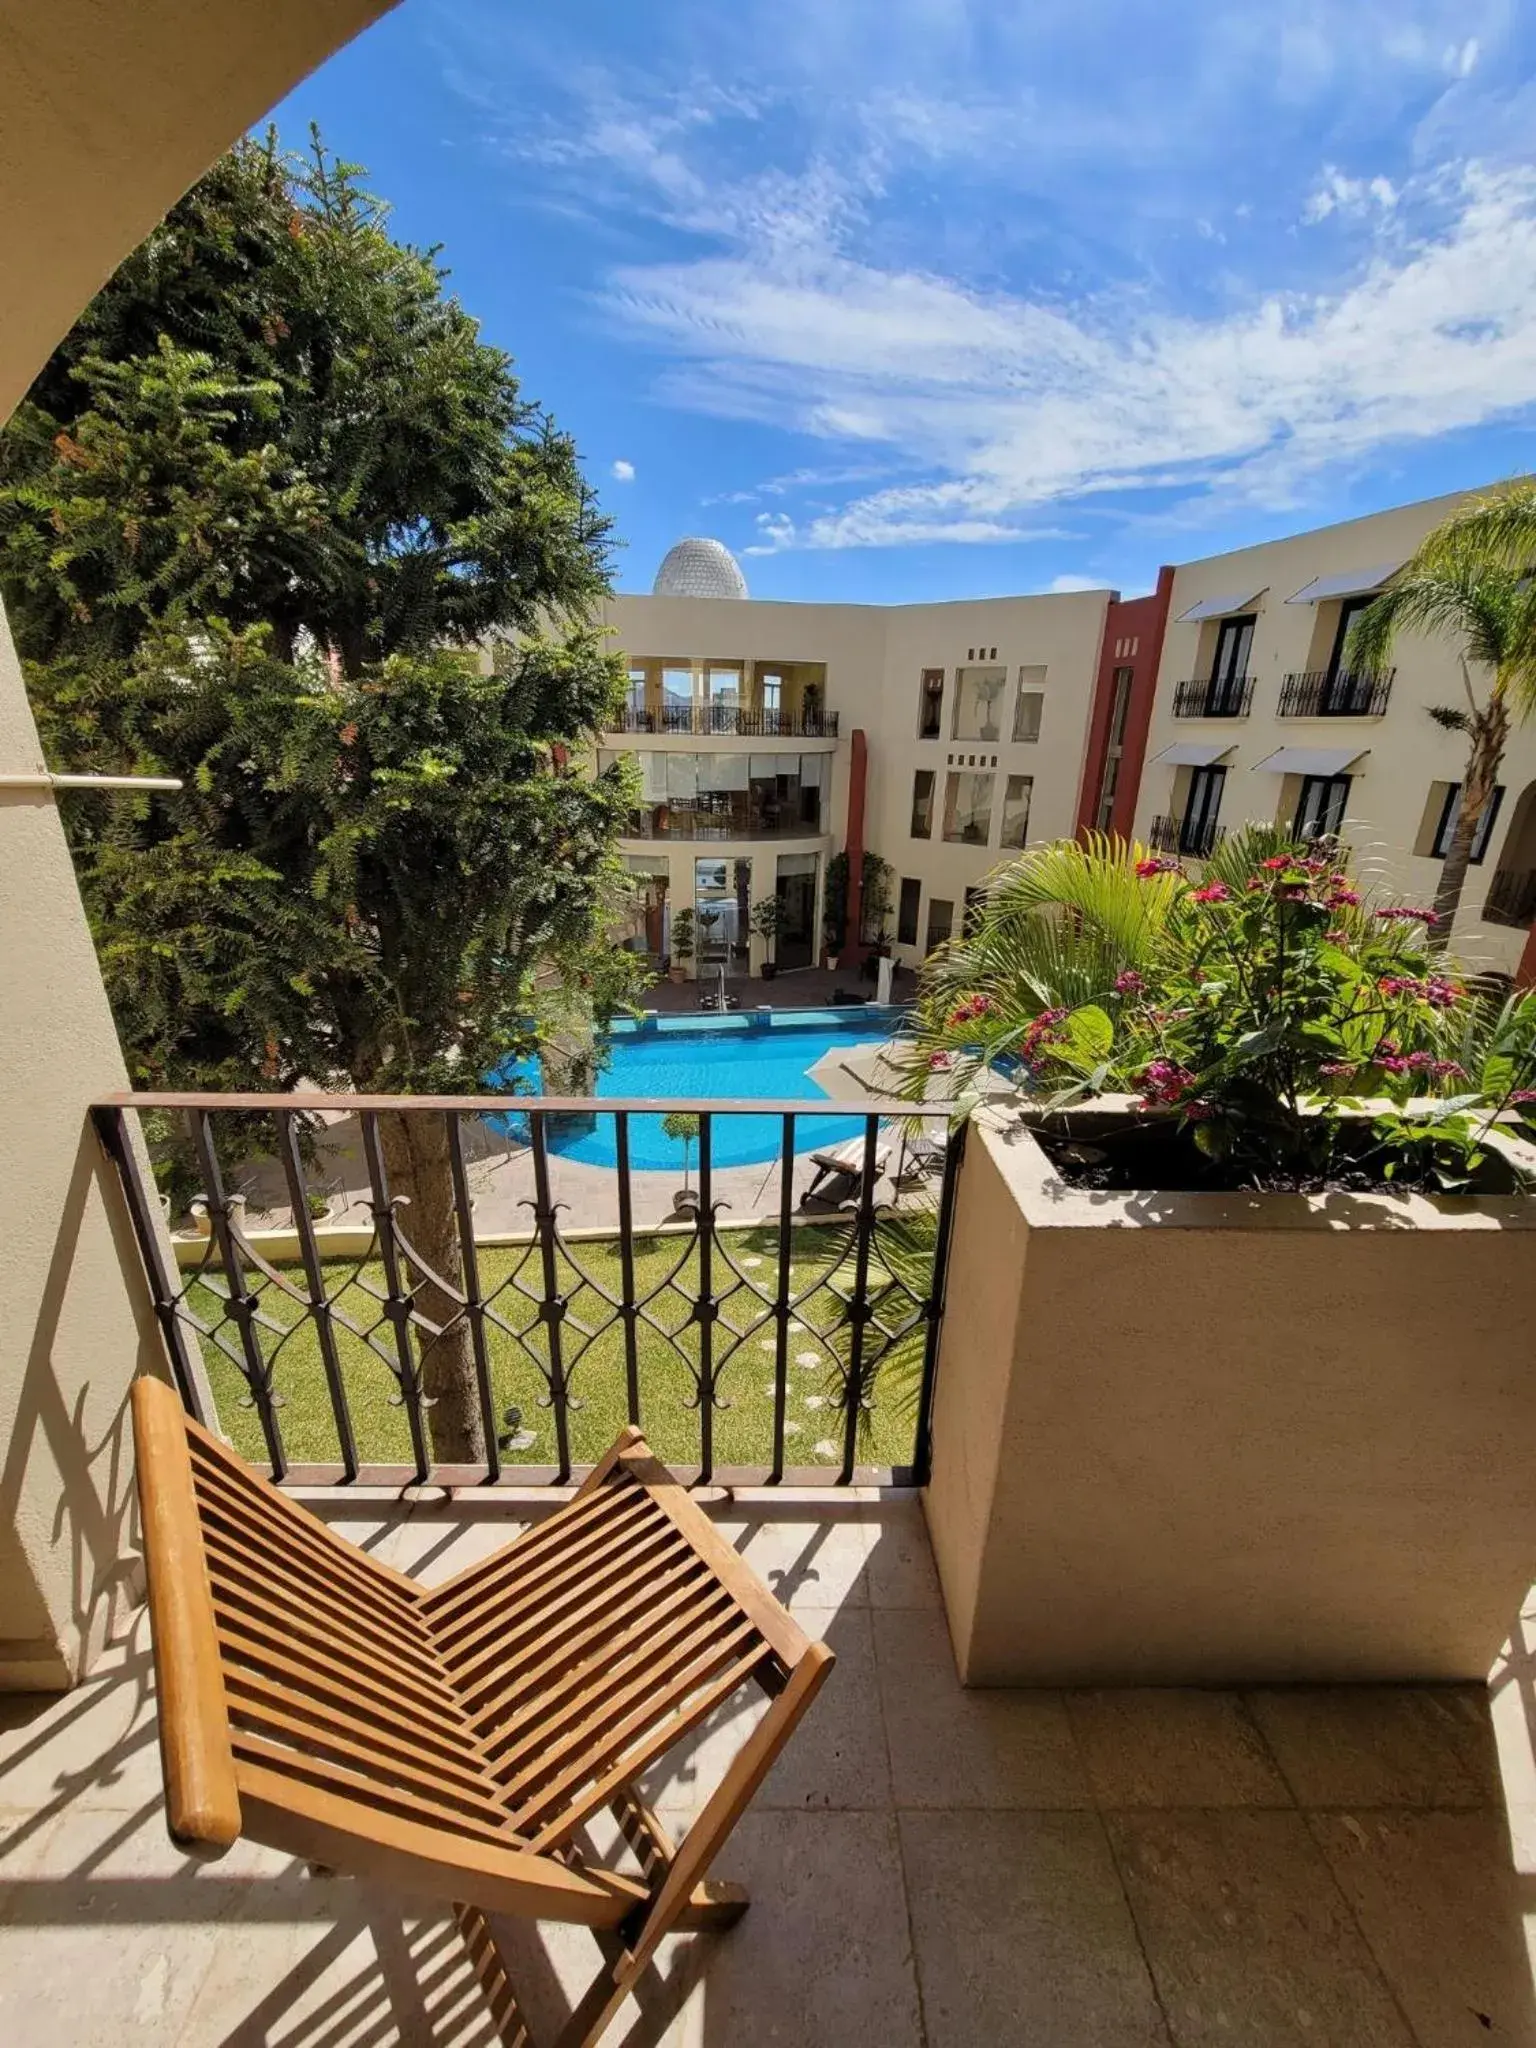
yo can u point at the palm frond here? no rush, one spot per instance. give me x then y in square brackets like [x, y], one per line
[1499, 525]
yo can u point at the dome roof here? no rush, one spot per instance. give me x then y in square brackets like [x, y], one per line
[699, 568]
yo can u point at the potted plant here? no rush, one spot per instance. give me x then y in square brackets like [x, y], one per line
[682, 1127]
[682, 944]
[767, 916]
[1241, 1277]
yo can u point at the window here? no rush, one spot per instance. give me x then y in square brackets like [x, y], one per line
[941, 921]
[636, 700]
[930, 705]
[922, 804]
[1119, 711]
[1027, 705]
[977, 691]
[1450, 810]
[1016, 794]
[907, 909]
[1229, 671]
[968, 808]
[1197, 831]
[1320, 811]
[770, 689]
[1349, 611]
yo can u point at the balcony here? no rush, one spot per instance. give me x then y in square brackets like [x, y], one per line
[722, 819]
[1192, 836]
[1317, 693]
[1232, 697]
[931, 1866]
[725, 721]
[1511, 898]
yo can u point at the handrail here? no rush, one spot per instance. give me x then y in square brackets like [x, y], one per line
[523, 1105]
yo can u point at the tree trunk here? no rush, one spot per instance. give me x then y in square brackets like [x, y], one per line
[416, 1159]
[1489, 734]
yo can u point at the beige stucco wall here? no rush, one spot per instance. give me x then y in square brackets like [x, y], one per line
[1404, 751]
[1212, 1439]
[107, 114]
[874, 657]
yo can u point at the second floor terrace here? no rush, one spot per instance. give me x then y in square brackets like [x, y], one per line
[730, 796]
[757, 699]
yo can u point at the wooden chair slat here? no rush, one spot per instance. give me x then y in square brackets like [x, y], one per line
[254, 1692]
[643, 1754]
[505, 1641]
[513, 1593]
[606, 1735]
[541, 1729]
[309, 1645]
[254, 1715]
[310, 1768]
[244, 1533]
[519, 1555]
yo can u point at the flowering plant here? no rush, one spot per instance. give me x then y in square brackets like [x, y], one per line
[1257, 1008]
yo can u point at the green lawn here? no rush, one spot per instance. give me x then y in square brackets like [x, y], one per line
[511, 1280]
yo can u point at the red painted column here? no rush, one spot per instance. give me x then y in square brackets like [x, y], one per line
[1143, 619]
[853, 842]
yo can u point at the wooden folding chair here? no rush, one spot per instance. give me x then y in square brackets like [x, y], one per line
[454, 1743]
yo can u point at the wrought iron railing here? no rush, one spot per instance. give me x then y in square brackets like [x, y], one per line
[675, 821]
[705, 720]
[1194, 836]
[1511, 897]
[313, 1348]
[1343, 694]
[1206, 697]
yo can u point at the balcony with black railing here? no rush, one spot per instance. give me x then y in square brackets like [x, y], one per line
[1208, 697]
[1511, 897]
[725, 721]
[1341, 693]
[1196, 837]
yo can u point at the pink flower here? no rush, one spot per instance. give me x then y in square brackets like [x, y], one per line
[1199, 1112]
[1213, 892]
[1155, 865]
[1524, 1095]
[1164, 1082]
[1129, 983]
[1335, 1068]
[1276, 862]
[1405, 913]
[940, 1062]
[1341, 898]
[968, 1011]
[1040, 1033]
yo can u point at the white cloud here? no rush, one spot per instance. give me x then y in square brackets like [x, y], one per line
[1335, 193]
[1461, 59]
[1004, 402]
[1062, 586]
[623, 472]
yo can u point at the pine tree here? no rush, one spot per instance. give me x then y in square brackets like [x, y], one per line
[261, 517]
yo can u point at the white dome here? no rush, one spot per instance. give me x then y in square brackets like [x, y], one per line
[699, 568]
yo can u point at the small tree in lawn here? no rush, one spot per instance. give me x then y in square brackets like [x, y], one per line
[260, 511]
[1467, 581]
[682, 1127]
[766, 919]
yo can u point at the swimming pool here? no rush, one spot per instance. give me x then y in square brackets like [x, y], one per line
[764, 1056]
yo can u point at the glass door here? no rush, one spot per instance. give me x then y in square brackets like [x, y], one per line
[714, 903]
[1197, 834]
[795, 888]
[1320, 811]
[1234, 644]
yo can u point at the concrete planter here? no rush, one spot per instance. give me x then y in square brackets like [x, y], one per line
[1214, 1438]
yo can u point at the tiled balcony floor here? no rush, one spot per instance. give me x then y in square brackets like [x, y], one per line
[1326, 1867]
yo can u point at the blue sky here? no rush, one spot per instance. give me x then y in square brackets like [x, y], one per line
[935, 298]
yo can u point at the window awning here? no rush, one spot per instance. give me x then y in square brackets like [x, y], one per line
[1194, 753]
[1218, 607]
[1352, 583]
[1310, 760]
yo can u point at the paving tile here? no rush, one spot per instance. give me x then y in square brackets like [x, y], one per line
[952, 1745]
[810, 1560]
[1381, 1745]
[1250, 1943]
[900, 1570]
[1023, 1934]
[95, 1746]
[1173, 1746]
[1438, 1900]
[835, 1758]
[433, 1548]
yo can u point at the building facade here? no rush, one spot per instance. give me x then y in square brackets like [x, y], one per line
[771, 737]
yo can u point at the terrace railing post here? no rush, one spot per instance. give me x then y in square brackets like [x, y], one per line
[112, 1132]
[858, 1308]
[243, 1304]
[781, 1298]
[319, 1301]
[553, 1305]
[705, 1307]
[628, 1307]
[474, 1300]
[922, 1453]
[397, 1301]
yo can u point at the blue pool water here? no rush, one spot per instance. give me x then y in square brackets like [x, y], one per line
[719, 1059]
